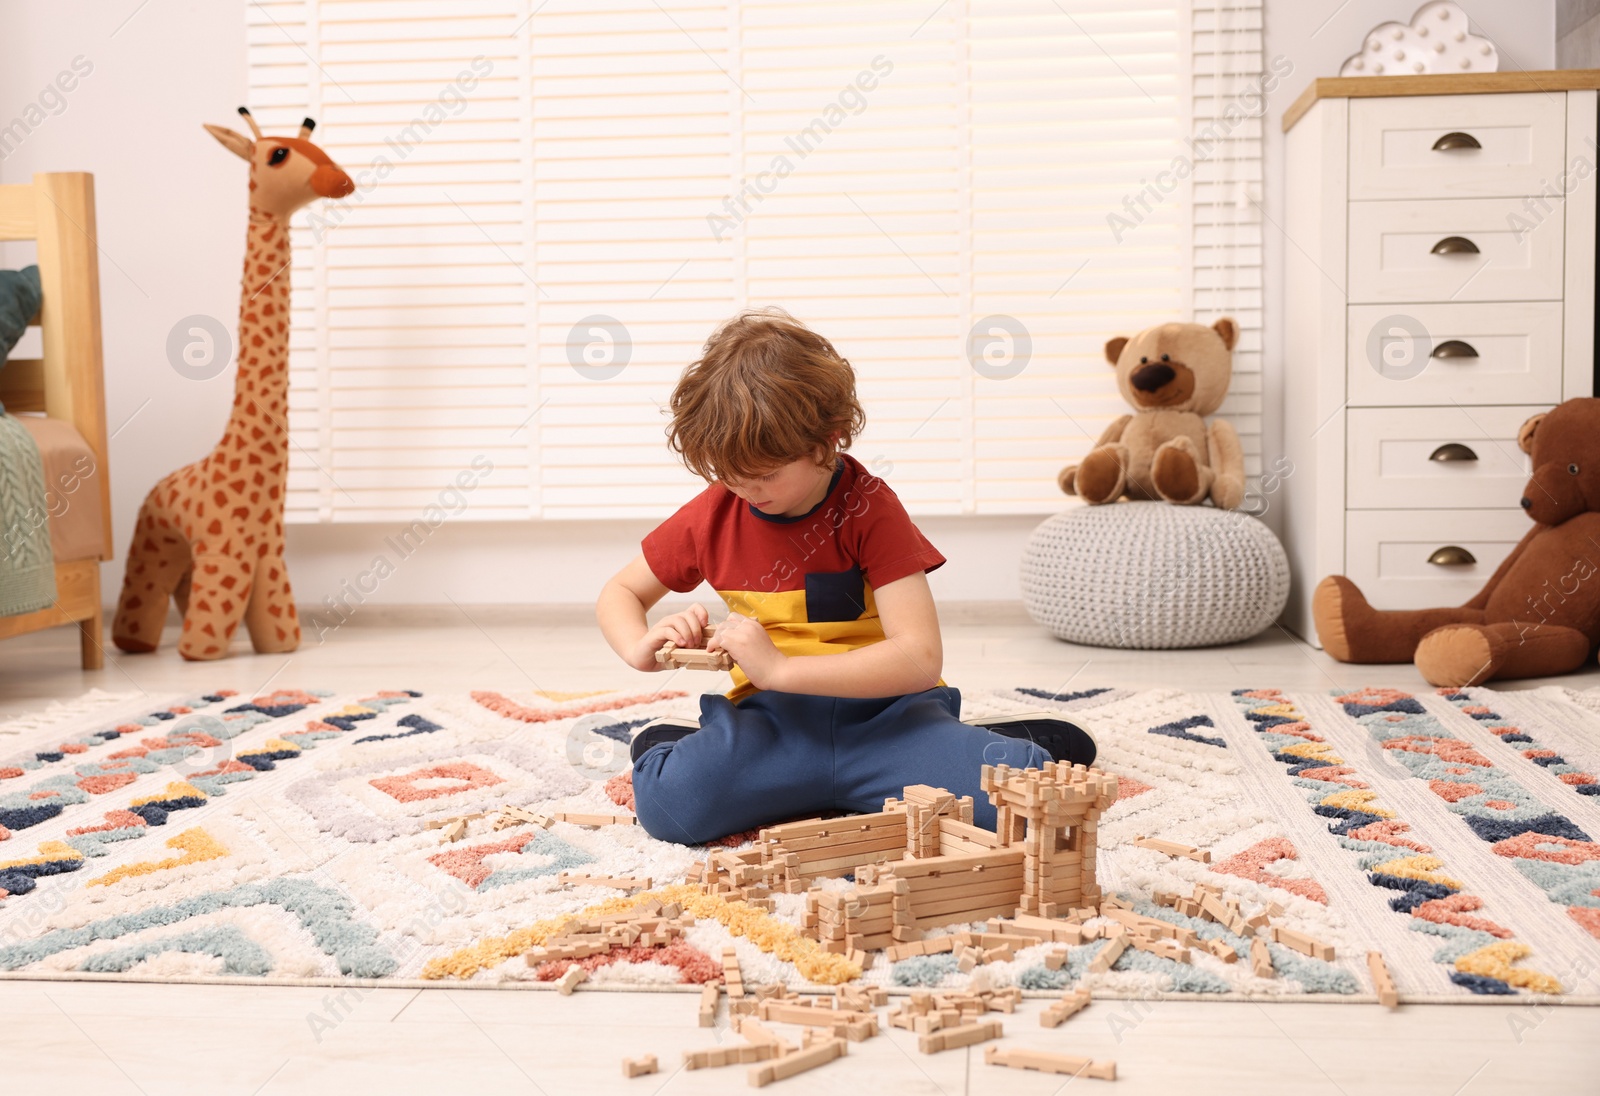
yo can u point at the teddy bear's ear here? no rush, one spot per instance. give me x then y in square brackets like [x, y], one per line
[1114, 348]
[1228, 330]
[1525, 435]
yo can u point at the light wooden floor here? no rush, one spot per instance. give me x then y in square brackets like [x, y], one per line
[156, 1039]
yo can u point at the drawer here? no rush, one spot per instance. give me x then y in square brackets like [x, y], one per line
[1431, 458]
[1386, 553]
[1444, 354]
[1394, 251]
[1421, 146]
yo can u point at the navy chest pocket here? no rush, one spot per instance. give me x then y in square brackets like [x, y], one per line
[836, 595]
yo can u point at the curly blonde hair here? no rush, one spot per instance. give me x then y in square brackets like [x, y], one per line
[767, 390]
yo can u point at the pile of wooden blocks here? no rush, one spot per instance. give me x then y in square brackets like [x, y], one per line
[1209, 903]
[751, 1001]
[772, 1058]
[928, 1011]
[455, 827]
[521, 816]
[647, 924]
[740, 875]
[973, 948]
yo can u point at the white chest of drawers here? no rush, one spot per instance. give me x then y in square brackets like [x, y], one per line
[1440, 289]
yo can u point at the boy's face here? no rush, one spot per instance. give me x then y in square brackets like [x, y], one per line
[788, 490]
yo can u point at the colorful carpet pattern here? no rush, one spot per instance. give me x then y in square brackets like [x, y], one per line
[287, 837]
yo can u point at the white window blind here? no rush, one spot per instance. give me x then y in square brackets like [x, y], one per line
[610, 180]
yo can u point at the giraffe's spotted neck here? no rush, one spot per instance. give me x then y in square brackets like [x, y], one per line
[259, 419]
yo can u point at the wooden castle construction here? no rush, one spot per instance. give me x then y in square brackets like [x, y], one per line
[921, 863]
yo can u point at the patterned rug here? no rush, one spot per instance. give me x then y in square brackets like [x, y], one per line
[286, 838]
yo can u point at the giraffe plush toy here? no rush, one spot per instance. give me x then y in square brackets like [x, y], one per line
[210, 535]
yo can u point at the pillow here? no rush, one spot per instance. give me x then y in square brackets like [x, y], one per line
[20, 294]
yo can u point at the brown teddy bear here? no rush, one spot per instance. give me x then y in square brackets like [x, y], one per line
[1539, 613]
[1173, 375]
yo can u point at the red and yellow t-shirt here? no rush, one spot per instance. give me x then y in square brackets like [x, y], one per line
[807, 579]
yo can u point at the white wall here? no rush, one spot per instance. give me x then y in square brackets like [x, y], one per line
[171, 213]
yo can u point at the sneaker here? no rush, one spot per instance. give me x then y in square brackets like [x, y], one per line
[669, 728]
[1061, 738]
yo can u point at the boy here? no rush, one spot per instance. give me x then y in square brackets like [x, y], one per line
[814, 557]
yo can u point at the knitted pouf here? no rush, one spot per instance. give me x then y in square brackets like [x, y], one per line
[1154, 576]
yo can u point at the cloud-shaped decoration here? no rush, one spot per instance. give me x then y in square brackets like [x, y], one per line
[1438, 40]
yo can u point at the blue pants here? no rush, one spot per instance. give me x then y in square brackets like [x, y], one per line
[775, 756]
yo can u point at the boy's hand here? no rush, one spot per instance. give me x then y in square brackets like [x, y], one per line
[752, 649]
[686, 629]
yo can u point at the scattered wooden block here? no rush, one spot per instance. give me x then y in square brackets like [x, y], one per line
[1173, 848]
[440, 823]
[455, 830]
[1166, 949]
[616, 882]
[1261, 959]
[1153, 927]
[521, 816]
[754, 1031]
[1214, 909]
[934, 946]
[1305, 945]
[1057, 1012]
[963, 1036]
[1046, 1062]
[638, 1067]
[579, 818]
[817, 1054]
[1388, 996]
[708, 1004]
[1109, 955]
[732, 977]
[1222, 950]
[569, 981]
[734, 1055]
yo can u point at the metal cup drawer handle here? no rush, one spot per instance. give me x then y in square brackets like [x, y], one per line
[1451, 556]
[1454, 348]
[1452, 142]
[1451, 452]
[1455, 245]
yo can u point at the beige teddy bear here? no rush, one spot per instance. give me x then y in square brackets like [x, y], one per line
[1173, 375]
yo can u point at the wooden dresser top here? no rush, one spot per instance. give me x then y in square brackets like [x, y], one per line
[1471, 83]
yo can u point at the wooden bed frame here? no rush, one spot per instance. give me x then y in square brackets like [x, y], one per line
[68, 383]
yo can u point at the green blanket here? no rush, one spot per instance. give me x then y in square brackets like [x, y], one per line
[27, 568]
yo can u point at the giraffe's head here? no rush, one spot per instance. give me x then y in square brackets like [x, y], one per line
[286, 173]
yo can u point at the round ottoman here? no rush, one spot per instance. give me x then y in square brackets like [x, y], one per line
[1152, 576]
